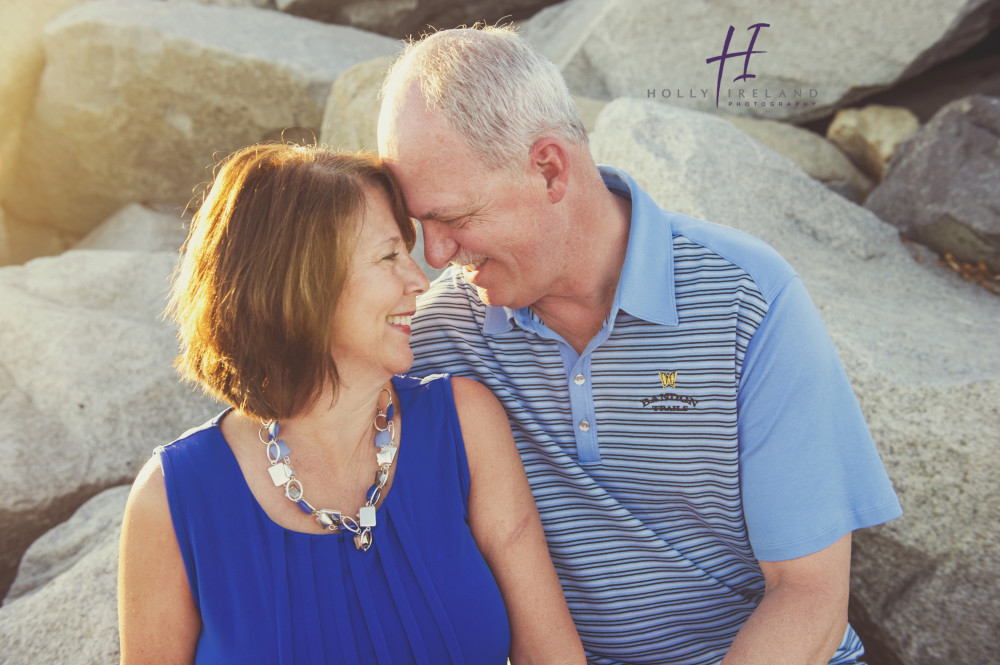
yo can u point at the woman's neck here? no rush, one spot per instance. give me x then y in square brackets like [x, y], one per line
[336, 424]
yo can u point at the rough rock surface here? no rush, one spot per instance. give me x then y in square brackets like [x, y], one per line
[20, 242]
[405, 18]
[262, 4]
[138, 99]
[919, 344]
[23, 58]
[839, 51]
[86, 375]
[817, 156]
[870, 135]
[943, 186]
[62, 607]
[138, 228]
[350, 120]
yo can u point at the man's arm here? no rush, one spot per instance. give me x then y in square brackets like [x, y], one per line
[803, 616]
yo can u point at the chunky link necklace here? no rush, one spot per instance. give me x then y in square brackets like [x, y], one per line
[282, 475]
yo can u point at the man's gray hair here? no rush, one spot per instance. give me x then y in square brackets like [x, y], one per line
[496, 91]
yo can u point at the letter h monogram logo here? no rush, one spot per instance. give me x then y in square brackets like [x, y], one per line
[726, 55]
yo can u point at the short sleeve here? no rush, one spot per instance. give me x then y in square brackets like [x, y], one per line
[809, 470]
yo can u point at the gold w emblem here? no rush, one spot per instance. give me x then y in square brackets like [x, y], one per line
[668, 379]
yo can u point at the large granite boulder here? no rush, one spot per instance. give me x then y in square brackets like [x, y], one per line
[870, 135]
[350, 118]
[406, 18]
[87, 384]
[20, 242]
[23, 58]
[138, 228]
[919, 344]
[262, 4]
[817, 156]
[61, 609]
[943, 186]
[830, 54]
[138, 99]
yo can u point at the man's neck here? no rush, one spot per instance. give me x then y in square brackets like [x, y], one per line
[578, 310]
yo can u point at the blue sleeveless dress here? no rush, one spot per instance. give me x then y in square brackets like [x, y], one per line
[421, 594]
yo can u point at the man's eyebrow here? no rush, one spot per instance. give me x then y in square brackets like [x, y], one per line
[445, 214]
[434, 214]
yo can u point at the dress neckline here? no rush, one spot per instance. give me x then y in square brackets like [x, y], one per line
[244, 486]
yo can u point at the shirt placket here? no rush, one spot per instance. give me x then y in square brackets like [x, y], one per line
[579, 384]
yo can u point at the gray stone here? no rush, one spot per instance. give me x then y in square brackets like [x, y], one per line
[20, 242]
[589, 109]
[943, 186]
[350, 120]
[138, 99]
[23, 58]
[833, 53]
[86, 374]
[62, 547]
[62, 608]
[919, 344]
[818, 157]
[261, 4]
[870, 135]
[137, 228]
[406, 18]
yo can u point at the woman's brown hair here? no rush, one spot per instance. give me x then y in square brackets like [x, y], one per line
[264, 264]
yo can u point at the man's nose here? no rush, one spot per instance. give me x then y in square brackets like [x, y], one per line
[438, 244]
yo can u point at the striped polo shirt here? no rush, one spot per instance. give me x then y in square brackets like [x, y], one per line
[708, 425]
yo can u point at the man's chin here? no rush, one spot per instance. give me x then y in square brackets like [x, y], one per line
[492, 297]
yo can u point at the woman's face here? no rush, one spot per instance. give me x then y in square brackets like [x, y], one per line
[371, 327]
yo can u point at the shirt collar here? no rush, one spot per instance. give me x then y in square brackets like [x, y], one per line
[646, 286]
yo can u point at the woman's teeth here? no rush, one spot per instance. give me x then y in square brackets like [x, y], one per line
[398, 320]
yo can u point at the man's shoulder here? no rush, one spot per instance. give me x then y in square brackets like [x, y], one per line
[759, 260]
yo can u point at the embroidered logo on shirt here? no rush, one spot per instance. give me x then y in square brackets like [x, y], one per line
[662, 401]
[685, 402]
[668, 379]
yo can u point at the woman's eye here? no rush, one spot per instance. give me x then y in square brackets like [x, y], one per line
[391, 257]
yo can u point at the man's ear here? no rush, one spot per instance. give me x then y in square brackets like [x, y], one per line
[550, 159]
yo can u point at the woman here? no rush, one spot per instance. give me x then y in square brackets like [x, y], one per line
[336, 512]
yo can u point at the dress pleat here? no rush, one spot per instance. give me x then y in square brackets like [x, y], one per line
[431, 597]
[370, 613]
[280, 570]
[307, 609]
[341, 627]
[391, 568]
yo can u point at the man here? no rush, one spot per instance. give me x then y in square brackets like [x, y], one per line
[693, 444]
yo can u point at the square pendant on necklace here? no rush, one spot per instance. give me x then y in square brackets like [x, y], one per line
[366, 516]
[385, 454]
[280, 473]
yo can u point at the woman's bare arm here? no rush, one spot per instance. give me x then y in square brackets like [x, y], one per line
[507, 529]
[157, 619]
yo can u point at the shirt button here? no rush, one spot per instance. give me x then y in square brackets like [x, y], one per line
[578, 379]
[584, 426]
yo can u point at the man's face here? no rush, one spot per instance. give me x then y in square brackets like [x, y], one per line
[494, 224]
